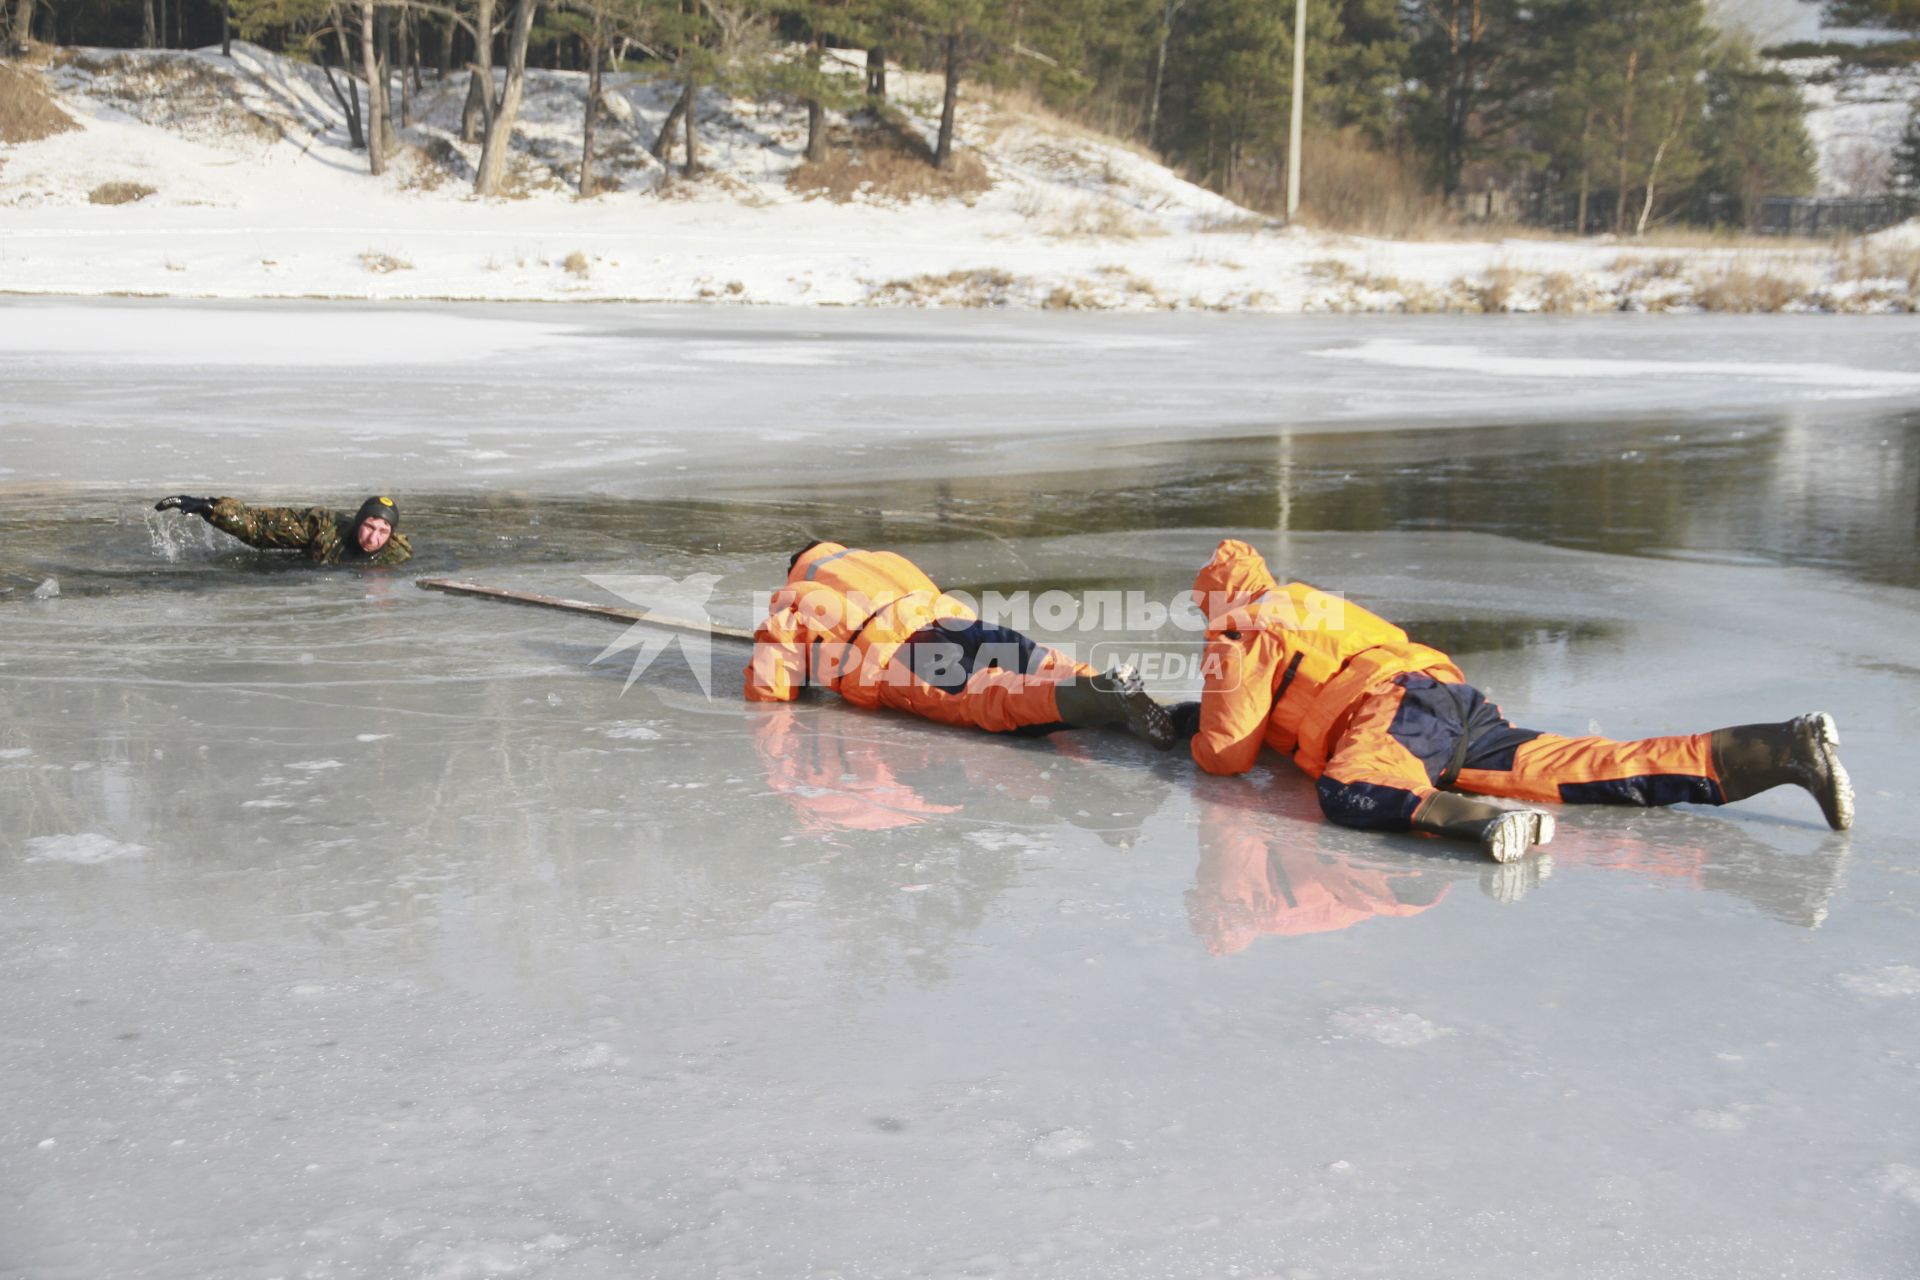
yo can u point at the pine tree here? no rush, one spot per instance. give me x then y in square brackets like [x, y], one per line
[1756, 141]
[1232, 98]
[1905, 172]
[1469, 59]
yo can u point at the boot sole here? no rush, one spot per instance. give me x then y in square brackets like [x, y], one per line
[1515, 833]
[1837, 802]
[1149, 720]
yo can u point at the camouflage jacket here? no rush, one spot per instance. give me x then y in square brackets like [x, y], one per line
[325, 535]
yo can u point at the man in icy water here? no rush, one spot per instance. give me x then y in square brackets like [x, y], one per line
[875, 629]
[1386, 726]
[368, 537]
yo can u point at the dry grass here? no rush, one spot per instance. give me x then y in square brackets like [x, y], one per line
[1562, 292]
[28, 112]
[1493, 291]
[1099, 220]
[1333, 271]
[1865, 262]
[1719, 238]
[576, 264]
[977, 288]
[1242, 224]
[1014, 105]
[383, 264]
[888, 162]
[180, 93]
[1743, 288]
[1347, 185]
[1116, 287]
[1641, 267]
[119, 193]
[432, 165]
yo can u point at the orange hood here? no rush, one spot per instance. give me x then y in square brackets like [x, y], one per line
[1233, 579]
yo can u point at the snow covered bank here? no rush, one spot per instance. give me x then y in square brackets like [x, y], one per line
[196, 176]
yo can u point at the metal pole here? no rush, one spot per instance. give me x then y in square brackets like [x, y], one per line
[1299, 103]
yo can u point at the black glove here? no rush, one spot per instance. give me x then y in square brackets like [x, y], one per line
[1185, 717]
[185, 506]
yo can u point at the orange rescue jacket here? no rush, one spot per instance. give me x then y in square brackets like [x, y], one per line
[1285, 665]
[839, 620]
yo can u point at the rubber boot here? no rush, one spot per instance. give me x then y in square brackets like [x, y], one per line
[1115, 697]
[1752, 758]
[1506, 834]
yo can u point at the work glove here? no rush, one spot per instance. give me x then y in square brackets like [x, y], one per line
[1186, 719]
[185, 506]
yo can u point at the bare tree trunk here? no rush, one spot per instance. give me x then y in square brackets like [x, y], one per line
[22, 24]
[473, 116]
[593, 109]
[693, 141]
[1653, 170]
[943, 149]
[163, 26]
[383, 58]
[376, 117]
[1586, 175]
[816, 111]
[493, 153]
[350, 100]
[877, 73]
[1626, 143]
[406, 60]
[443, 50]
[663, 143]
[226, 30]
[473, 125]
[147, 40]
[1168, 11]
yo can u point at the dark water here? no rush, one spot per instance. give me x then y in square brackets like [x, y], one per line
[1838, 492]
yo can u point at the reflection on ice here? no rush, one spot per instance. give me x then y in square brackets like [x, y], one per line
[351, 927]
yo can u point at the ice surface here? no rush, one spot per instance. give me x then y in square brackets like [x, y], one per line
[440, 955]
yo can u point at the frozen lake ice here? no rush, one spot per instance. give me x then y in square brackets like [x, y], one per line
[350, 929]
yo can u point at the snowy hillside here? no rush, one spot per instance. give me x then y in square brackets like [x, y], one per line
[1856, 115]
[193, 175]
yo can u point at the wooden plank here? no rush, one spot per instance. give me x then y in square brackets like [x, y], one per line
[612, 613]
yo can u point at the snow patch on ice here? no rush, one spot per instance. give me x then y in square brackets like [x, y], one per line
[1395, 1028]
[371, 737]
[1473, 359]
[996, 839]
[315, 766]
[632, 732]
[164, 336]
[1729, 1120]
[85, 849]
[1901, 1180]
[16, 753]
[1061, 1144]
[771, 353]
[1894, 980]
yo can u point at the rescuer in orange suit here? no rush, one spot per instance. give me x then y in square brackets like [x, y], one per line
[875, 629]
[1387, 726]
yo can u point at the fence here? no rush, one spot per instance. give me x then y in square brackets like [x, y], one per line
[1767, 216]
